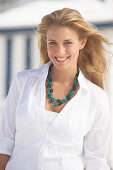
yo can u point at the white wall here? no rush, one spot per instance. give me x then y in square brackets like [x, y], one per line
[18, 61]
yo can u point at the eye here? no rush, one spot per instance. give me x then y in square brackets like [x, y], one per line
[68, 42]
[52, 43]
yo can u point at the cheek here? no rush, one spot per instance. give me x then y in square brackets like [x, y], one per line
[74, 50]
[71, 50]
[50, 50]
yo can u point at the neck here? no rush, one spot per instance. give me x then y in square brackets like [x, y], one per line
[63, 76]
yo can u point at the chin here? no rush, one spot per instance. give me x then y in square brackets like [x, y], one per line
[62, 67]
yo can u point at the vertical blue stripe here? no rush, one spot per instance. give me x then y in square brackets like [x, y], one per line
[8, 65]
[28, 53]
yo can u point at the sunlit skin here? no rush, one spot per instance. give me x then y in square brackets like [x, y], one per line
[63, 47]
[63, 44]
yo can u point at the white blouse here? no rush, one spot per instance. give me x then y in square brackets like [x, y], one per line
[49, 117]
[75, 138]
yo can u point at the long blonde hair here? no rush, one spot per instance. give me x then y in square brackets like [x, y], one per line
[91, 59]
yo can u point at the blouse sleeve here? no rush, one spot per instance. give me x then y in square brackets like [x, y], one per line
[96, 142]
[7, 122]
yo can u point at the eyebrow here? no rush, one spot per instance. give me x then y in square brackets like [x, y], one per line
[64, 40]
[69, 40]
[51, 40]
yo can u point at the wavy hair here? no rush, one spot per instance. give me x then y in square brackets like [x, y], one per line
[91, 59]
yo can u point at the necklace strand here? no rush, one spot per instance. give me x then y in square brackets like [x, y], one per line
[57, 102]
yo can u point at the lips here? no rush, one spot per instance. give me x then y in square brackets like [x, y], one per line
[61, 59]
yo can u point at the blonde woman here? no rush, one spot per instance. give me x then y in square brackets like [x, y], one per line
[57, 117]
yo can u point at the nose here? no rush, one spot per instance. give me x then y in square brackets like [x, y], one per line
[60, 50]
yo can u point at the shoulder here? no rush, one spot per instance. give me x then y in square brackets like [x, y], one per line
[29, 75]
[99, 95]
[32, 72]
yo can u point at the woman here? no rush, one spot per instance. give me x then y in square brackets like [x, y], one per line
[57, 117]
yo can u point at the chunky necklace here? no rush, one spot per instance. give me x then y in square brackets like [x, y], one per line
[57, 102]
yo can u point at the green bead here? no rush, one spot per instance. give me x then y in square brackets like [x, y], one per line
[50, 90]
[50, 95]
[55, 104]
[75, 80]
[74, 87]
[64, 100]
[50, 80]
[47, 90]
[52, 100]
[47, 80]
[59, 101]
[71, 92]
[49, 85]
[68, 97]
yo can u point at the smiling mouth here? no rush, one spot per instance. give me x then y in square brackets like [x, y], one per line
[61, 59]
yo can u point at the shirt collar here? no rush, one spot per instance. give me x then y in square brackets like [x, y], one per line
[44, 69]
[82, 80]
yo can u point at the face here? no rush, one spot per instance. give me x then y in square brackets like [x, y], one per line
[63, 47]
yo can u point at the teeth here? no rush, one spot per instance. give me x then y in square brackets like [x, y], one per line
[61, 59]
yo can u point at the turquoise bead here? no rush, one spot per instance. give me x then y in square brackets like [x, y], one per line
[50, 95]
[59, 101]
[68, 97]
[55, 104]
[49, 85]
[47, 90]
[52, 100]
[71, 92]
[63, 100]
[50, 90]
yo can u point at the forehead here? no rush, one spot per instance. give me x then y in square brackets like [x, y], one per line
[61, 32]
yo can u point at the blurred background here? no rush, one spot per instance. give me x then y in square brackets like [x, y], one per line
[19, 45]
